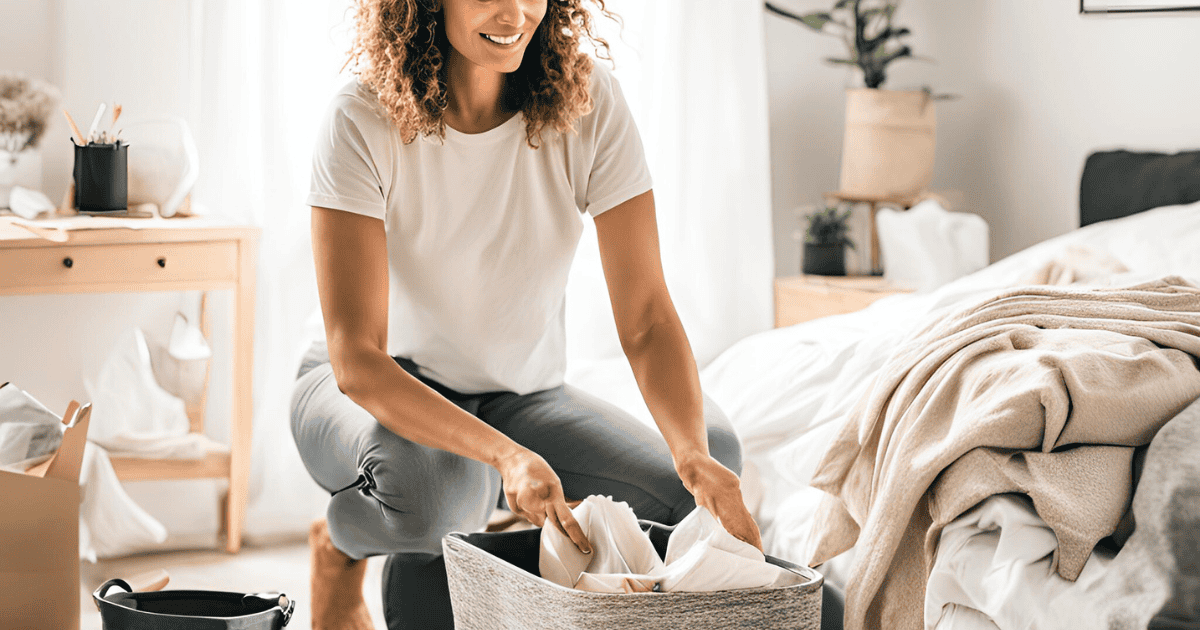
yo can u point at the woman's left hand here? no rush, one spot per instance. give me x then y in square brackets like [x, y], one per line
[718, 489]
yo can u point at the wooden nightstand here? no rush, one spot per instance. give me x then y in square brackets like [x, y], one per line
[801, 298]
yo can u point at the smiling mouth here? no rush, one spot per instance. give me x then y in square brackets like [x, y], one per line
[502, 41]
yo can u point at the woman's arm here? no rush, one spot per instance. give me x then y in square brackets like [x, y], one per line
[350, 253]
[661, 357]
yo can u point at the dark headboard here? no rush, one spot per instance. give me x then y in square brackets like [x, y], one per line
[1117, 184]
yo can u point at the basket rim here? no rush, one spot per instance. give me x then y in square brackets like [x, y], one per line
[457, 540]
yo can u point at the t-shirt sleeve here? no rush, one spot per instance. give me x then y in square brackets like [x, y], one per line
[350, 159]
[619, 171]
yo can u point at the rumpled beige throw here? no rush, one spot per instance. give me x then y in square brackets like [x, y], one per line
[1040, 390]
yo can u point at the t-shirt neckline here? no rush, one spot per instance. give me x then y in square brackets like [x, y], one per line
[502, 130]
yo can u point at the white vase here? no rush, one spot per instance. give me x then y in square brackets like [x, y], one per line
[23, 169]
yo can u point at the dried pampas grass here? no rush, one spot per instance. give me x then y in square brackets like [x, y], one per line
[25, 109]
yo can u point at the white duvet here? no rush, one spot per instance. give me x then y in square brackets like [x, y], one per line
[786, 390]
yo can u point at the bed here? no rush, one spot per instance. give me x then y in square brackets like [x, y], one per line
[789, 391]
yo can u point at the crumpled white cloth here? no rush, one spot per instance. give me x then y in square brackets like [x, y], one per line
[994, 560]
[701, 555]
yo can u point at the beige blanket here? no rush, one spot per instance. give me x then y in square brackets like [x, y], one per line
[1038, 390]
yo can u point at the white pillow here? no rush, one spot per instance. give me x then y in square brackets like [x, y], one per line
[926, 246]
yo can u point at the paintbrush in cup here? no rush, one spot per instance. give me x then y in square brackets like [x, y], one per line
[74, 129]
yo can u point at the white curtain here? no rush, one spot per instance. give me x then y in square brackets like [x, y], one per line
[266, 71]
[694, 74]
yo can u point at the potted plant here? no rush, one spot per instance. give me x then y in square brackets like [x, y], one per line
[25, 109]
[890, 135]
[825, 242]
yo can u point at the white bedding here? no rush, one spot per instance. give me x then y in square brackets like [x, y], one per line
[786, 390]
[994, 563]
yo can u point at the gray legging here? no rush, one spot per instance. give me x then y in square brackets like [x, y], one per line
[395, 497]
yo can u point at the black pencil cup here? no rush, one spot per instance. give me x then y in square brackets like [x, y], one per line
[101, 177]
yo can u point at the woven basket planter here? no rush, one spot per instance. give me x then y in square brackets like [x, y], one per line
[494, 585]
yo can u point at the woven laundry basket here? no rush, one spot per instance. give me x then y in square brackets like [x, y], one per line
[494, 585]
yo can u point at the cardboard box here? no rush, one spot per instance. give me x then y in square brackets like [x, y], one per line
[39, 535]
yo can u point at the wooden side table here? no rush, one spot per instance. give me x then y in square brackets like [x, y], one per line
[874, 202]
[803, 298]
[85, 254]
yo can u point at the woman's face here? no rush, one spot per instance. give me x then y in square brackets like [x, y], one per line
[492, 33]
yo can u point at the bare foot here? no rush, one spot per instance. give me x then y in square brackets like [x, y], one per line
[337, 581]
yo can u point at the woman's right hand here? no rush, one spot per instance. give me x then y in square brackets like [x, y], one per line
[535, 493]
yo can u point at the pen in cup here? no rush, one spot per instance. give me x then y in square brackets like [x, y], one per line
[95, 121]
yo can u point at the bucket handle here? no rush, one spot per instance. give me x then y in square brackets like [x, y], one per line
[285, 603]
[102, 592]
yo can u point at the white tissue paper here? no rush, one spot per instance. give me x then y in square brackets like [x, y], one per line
[131, 413]
[701, 555]
[110, 522]
[28, 203]
[29, 432]
[165, 166]
[927, 246]
[181, 366]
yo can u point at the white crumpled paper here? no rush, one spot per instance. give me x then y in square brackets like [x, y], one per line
[180, 367]
[132, 415]
[701, 555]
[111, 523]
[29, 432]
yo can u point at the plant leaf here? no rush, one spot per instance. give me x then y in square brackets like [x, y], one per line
[846, 62]
[803, 19]
[816, 21]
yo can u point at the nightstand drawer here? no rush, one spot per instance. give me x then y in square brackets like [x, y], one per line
[95, 267]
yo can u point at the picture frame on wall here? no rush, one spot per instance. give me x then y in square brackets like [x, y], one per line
[1137, 6]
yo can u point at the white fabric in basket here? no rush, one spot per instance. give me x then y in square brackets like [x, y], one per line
[701, 555]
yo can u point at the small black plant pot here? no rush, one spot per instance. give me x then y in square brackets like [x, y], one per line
[824, 260]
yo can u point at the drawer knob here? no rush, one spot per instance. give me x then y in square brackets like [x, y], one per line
[162, 262]
[67, 262]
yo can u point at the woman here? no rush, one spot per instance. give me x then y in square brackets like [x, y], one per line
[449, 183]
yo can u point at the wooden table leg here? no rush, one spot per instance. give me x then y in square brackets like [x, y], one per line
[876, 267]
[240, 430]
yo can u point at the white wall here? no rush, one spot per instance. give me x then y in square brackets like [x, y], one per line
[1059, 85]
[28, 45]
[1042, 86]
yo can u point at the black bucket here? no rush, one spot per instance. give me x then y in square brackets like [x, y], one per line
[190, 610]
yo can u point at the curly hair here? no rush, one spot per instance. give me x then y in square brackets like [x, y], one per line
[400, 47]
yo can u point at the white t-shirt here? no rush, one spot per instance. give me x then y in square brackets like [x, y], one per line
[481, 230]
